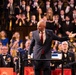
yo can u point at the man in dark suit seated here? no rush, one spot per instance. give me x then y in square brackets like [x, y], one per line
[1, 61]
[8, 59]
[41, 45]
[68, 56]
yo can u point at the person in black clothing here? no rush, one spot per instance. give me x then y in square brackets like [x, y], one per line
[22, 56]
[1, 61]
[67, 57]
[8, 60]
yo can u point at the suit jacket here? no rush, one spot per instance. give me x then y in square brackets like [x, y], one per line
[1, 61]
[66, 27]
[38, 46]
[68, 59]
[8, 61]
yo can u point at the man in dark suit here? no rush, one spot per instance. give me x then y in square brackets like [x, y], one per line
[1, 61]
[67, 26]
[8, 59]
[68, 57]
[42, 47]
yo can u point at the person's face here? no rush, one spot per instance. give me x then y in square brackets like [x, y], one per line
[41, 26]
[49, 11]
[27, 44]
[39, 11]
[71, 1]
[4, 50]
[30, 34]
[74, 12]
[33, 17]
[17, 35]
[67, 18]
[59, 3]
[23, 2]
[62, 12]
[65, 46]
[60, 46]
[45, 18]
[36, 0]
[28, 8]
[10, 1]
[47, 2]
[56, 17]
[3, 33]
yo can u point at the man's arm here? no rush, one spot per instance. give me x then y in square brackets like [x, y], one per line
[65, 38]
[31, 47]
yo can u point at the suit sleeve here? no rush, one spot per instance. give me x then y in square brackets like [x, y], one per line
[1, 61]
[31, 45]
[55, 37]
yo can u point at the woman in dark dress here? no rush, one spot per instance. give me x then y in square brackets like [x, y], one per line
[4, 38]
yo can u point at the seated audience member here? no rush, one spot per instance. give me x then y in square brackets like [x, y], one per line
[29, 37]
[4, 38]
[20, 19]
[62, 16]
[8, 59]
[33, 21]
[50, 22]
[34, 6]
[23, 6]
[39, 14]
[59, 47]
[57, 24]
[67, 57]
[28, 14]
[59, 6]
[67, 26]
[16, 39]
[22, 56]
[9, 13]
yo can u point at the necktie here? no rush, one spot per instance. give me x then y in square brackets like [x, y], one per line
[42, 37]
[28, 17]
[42, 42]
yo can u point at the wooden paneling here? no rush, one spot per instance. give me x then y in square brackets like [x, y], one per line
[24, 31]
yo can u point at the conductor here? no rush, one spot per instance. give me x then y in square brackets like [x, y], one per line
[41, 46]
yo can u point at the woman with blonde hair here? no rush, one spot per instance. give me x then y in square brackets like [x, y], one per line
[50, 21]
[3, 38]
[15, 44]
[16, 39]
[49, 14]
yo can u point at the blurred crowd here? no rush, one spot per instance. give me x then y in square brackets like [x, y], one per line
[60, 16]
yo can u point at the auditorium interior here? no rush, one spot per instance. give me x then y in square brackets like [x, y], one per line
[18, 18]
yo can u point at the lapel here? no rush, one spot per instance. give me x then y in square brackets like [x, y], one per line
[6, 57]
[46, 36]
[38, 37]
[37, 34]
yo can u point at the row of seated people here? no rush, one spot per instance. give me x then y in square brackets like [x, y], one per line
[17, 58]
[14, 54]
[55, 14]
